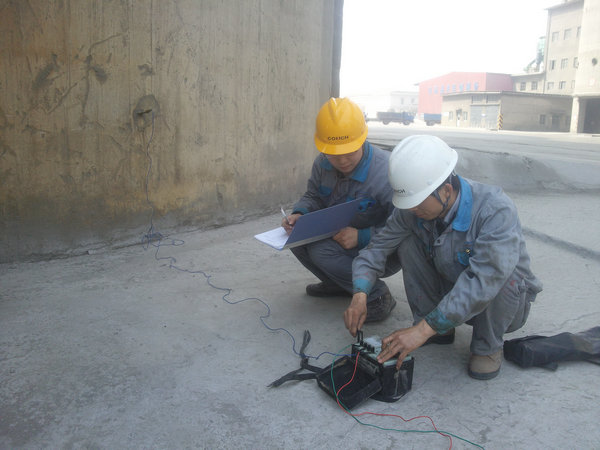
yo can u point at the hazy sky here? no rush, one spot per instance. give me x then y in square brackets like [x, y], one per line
[393, 44]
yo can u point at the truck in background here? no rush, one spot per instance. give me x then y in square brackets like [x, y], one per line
[390, 116]
[432, 119]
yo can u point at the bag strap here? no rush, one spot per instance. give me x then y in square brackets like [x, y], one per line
[304, 365]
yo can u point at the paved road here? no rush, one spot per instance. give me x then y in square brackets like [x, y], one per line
[556, 146]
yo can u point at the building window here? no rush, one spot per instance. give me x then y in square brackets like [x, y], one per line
[542, 119]
[534, 85]
[550, 85]
[476, 86]
[448, 88]
[450, 115]
[476, 98]
[468, 86]
[564, 63]
[555, 120]
[465, 115]
[552, 64]
[562, 84]
[567, 33]
[441, 89]
[461, 88]
[572, 84]
[554, 36]
[522, 86]
[576, 62]
[435, 90]
[578, 31]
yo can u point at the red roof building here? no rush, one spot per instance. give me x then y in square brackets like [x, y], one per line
[431, 91]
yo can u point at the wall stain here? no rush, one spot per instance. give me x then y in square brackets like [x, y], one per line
[146, 110]
[42, 79]
[145, 70]
[100, 73]
[218, 188]
[5, 149]
[3, 119]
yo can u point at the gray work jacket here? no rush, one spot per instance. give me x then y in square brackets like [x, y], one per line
[479, 252]
[369, 180]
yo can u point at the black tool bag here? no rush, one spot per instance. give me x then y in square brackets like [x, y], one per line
[548, 351]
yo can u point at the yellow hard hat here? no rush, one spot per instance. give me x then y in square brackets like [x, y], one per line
[341, 127]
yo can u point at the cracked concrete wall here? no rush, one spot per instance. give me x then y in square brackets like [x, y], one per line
[183, 114]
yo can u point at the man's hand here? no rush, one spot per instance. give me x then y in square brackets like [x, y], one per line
[404, 341]
[355, 315]
[289, 221]
[347, 237]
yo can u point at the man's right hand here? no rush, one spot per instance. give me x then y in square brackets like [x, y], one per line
[356, 314]
[289, 221]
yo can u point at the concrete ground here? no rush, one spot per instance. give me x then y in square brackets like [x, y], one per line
[168, 347]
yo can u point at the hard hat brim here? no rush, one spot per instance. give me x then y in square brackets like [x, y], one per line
[403, 202]
[341, 149]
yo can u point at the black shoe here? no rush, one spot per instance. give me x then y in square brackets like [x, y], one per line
[441, 339]
[325, 290]
[380, 308]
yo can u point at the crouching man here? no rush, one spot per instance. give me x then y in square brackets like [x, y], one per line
[462, 253]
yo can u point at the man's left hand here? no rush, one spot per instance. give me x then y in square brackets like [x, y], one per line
[347, 237]
[404, 341]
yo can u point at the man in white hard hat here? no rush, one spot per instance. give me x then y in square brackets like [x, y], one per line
[348, 167]
[462, 253]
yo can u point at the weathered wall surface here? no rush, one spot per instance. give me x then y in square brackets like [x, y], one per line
[210, 104]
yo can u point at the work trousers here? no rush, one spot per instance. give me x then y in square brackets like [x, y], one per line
[332, 264]
[425, 288]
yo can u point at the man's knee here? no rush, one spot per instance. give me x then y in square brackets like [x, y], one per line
[520, 317]
[324, 250]
[411, 252]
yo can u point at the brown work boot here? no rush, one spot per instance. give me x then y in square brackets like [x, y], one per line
[485, 367]
[380, 308]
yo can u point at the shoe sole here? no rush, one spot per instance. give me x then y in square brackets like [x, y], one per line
[323, 294]
[317, 293]
[483, 376]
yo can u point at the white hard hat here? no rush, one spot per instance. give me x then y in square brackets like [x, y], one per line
[419, 165]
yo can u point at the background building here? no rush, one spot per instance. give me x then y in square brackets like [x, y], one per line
[562, 47]
[577, 22]
[401, 101]
[518, 111]
[558, 91]
[432, 92]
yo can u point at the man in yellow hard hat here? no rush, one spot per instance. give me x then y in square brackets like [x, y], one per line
[347, 168]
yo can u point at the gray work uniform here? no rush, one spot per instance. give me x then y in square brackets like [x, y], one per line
[476, 270]
[326, 259]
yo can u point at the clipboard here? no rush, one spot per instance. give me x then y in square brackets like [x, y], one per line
[312, 227]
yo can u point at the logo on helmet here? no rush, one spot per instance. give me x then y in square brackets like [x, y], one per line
[337, 138]
[400, 191]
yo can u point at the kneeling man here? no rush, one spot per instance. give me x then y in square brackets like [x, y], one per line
[462, 253]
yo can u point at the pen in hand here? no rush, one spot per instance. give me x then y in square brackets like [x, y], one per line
[285, 216]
